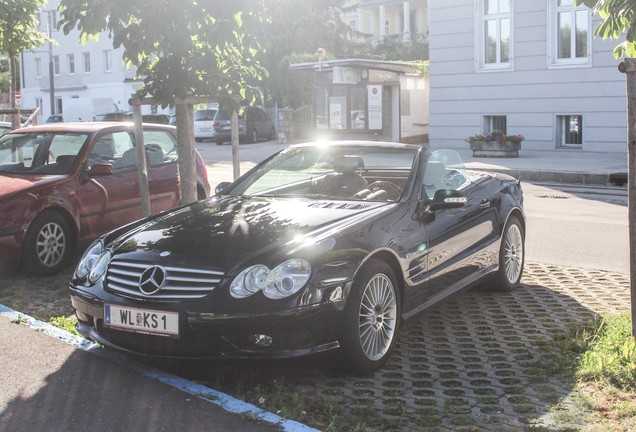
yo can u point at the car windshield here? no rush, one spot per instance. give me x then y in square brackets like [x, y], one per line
[40, 153]
[369, 173]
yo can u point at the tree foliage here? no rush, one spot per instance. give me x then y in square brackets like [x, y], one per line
[293, 32]
[619, 18]
[180, 49]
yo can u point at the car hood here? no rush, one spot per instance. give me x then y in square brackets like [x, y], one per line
[230, 231]
[11, 184]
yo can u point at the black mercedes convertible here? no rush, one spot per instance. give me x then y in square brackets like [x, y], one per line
[322, 246]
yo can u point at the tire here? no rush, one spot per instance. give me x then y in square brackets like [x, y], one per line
[253, 136]
[218, 141]
[272, 134]
[371, 318]
[197, 139]
[511, 257]
[47, 245]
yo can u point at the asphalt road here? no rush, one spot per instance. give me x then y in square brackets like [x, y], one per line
[577, 226]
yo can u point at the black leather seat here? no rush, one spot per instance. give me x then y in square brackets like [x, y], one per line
[347, 181]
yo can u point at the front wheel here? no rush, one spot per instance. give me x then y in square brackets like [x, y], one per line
[371, 318]
[47, 245]
[511, 257]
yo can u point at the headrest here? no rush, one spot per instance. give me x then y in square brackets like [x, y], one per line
[347, 164]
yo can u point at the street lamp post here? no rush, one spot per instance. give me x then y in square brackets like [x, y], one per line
[51, 77]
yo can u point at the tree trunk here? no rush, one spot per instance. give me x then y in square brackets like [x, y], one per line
[236, 160]
[13, 72]
[629, 68]
[187, 158]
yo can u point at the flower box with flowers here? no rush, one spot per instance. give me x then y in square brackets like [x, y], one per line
[495, 144]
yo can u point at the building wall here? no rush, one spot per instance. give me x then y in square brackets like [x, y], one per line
[116, 83]
[531, 94]
[367, 17]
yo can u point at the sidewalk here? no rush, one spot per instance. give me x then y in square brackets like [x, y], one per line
[559, 166]
[48, 384]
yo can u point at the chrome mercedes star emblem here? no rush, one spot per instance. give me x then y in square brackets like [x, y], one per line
[152, 279]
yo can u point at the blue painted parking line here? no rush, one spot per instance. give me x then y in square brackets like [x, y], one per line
[225, 401]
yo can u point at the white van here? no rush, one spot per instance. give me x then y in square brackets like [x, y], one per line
[86, 109]
[204, 123]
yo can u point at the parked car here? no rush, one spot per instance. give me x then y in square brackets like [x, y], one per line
[253, 124]
[203, 124]
[319, 247]
[118, 116]
[65, 184]
[56, 118]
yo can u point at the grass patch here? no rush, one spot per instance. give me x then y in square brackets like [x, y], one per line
[610, 356]
[601, 356]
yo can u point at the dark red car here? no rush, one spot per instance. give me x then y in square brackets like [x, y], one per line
[63, 185]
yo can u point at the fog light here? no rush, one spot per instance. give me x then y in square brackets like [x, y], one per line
[261, 340]
[337, 294]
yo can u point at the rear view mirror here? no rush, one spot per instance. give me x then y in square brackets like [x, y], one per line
[447, 199]
[219, 188]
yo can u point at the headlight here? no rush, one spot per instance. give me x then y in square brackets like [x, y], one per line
[99, 268]
[89, 259]
[283, 281]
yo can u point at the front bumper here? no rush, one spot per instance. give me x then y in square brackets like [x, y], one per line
[292, 333]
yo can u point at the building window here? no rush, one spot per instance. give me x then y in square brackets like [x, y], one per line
[87, 62]
[571, 36]
[56, 65]
[108, 60]
[569, 131]
[38, 67]
[71, 63]
[492, 123]
[58, 105]
[495, 24]
[387, 27]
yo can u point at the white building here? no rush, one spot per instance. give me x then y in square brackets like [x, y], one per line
[379, 19]
[88, 80]
[525, 67]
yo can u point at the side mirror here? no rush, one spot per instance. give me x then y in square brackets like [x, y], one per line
[219, 188]
[100, 170]
[447, 199]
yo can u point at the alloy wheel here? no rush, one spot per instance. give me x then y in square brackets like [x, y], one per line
[513, 253]
[378, 313]
[50, 244]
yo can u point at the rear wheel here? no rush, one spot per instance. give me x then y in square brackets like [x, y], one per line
[371, 319]
[511, 257]
[253, 136]
[218, 141]
[47, 245]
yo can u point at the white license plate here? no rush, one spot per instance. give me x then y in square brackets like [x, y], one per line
[141, 320]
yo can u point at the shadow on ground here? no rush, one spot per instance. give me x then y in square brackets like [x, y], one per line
[478, 362]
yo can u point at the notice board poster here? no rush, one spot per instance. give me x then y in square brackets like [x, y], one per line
[374, 107]
[337, 112]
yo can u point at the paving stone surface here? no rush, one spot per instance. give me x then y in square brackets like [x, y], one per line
[472, 363]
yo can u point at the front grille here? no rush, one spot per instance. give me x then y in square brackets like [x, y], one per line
[124, 277]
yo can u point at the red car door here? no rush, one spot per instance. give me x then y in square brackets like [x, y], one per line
[161, 158]
[109, 201]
